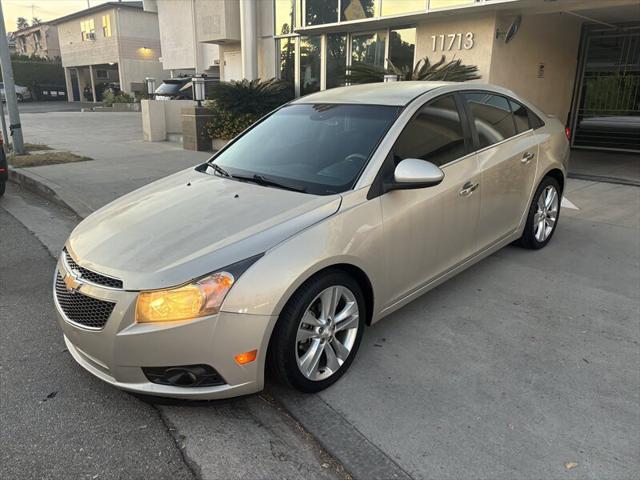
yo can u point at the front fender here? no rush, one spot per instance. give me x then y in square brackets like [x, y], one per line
[352, 236]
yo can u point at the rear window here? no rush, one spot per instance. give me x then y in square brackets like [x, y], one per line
[491, 116]
[521, 116]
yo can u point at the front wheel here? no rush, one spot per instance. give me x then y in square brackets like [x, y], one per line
[318, 333]
[543, 216]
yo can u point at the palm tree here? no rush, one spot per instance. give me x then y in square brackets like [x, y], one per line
[256, 97]
[452, 71]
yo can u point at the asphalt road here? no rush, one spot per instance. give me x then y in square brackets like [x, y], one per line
[58, 421]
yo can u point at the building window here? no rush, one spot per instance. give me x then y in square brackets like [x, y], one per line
[310, 48]
[402, 48]
[399, 7]
[358, 9]
[88, 29]
[106, 26]
[284, 17]
[336, 59]
[434, 4]
[319, 12]
[286, 48]
[37, 40]
[368, 48]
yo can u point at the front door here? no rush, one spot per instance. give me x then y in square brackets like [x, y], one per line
[508, 158]
[429, 230]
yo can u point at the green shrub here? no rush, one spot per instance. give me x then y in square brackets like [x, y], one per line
[256, 97]
[227, 125]
[109, 98]
[237, 105]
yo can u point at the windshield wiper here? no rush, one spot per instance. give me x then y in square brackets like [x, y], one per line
[260, 180]
[220, 170]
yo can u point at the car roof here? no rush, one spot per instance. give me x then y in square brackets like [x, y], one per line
[388, 93]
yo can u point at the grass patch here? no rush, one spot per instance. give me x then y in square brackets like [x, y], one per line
[36, 147]
[47, 158]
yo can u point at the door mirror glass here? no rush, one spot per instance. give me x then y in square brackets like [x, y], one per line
[416, 173]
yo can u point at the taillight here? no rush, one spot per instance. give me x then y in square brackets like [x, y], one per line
[567, 132]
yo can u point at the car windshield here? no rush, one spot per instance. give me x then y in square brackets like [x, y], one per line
[170, 87]
[318, 149]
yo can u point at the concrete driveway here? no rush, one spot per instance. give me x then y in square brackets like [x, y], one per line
[524, 366]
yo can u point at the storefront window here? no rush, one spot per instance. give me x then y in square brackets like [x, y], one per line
[402, 47]
[310, 48]
[368, 48]
[336, 59]
[319, 12]
[398, 7]
[358, 9]
[433, 4]
[284, 14]
[286, 48]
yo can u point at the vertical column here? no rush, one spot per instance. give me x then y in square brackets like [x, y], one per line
[67, 81]
[248, 39]
[93, 84]
[323, 62]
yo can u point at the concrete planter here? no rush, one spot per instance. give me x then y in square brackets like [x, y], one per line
[218, 143]
[125, 107]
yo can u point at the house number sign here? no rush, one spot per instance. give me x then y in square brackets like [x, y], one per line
[451, 41]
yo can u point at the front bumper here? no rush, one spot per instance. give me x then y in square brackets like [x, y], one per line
[117, 352]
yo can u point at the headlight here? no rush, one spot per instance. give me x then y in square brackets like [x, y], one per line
[197, 299]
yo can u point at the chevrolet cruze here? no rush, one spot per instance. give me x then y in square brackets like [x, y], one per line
[322, 218]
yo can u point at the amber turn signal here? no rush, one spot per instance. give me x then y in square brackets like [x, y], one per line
[246, 357]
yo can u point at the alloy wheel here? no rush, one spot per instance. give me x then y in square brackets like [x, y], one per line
[327, 333]
[546, 215]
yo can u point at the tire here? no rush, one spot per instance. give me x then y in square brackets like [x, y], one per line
[2, 187]
[533, 237]
[19, 97]
[291, 348]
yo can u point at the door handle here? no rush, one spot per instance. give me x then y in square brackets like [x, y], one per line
[468, 188]
[527, 157]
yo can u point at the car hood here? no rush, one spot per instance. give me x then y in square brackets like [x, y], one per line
[190, 224]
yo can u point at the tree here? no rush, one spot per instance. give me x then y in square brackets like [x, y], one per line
[35, 21]
[22, 23]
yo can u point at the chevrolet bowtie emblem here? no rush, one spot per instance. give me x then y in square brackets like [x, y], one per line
[71, 281]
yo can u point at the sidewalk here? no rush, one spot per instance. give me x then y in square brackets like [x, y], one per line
[122, 160]
[515, 368]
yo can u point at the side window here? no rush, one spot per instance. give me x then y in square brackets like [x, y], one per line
[491, 115]
[435, 134]
[535, 120]
[521, 116]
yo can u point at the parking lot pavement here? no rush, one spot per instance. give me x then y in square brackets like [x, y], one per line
[51, 106]
[523, 364]
[122, 160]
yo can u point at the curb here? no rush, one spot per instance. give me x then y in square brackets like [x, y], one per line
[48, 190]
[598, 178]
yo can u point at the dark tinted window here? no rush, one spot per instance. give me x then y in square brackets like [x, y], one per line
[435, 134]
[318, 148]
[491, 116]
[535, 120]
[521, 116]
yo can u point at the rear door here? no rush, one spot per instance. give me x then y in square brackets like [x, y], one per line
[507, 156]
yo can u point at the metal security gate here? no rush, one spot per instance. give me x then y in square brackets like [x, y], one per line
[607, 99]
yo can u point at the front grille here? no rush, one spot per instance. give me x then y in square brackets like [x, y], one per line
[90, 276]
[82, 309]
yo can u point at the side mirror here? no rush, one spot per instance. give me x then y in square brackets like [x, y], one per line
[415, 173]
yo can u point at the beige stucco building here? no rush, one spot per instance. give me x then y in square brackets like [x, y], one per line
[38, 40]
[559, 54]
[114, 42]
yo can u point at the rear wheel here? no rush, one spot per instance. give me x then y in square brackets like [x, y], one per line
[20, 97]
[543, 216]
[318, 333]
